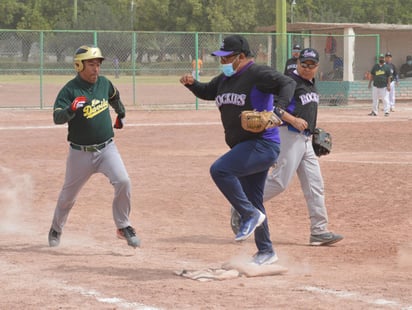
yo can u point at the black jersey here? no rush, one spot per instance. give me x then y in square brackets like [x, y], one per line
[291, 65]
[255, 87]
[406, 71]
[394, 72]
[305, 101]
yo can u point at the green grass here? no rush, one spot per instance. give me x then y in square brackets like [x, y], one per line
[32, 79]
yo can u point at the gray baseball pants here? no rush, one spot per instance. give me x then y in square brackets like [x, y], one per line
[297, 155]
[81, 165]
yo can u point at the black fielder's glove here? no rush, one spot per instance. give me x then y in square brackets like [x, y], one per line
[321, 142]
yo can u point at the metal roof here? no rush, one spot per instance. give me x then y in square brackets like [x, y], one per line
[303, 26]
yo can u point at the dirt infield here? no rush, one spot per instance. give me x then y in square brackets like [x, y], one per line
[183, 219]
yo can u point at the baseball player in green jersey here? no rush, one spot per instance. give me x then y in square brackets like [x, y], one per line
[380, 77]
[84, 103]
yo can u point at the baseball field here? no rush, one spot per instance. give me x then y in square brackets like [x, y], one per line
[183, 220]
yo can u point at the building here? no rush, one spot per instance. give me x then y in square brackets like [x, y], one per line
[358, 45]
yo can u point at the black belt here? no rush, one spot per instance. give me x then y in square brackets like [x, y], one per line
[90, 148]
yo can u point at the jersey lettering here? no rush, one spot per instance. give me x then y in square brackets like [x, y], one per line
[308, 98]
[231, 98]
[291, 67]
[380, 72]
[95, 108]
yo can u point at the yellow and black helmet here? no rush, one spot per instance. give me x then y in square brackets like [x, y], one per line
[86, 52]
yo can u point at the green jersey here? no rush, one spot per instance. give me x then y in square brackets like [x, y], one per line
[92, 123]
[380, 75]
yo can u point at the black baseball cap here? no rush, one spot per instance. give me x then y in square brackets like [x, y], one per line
[409, 57]
[309, 54]
[234, 44]
[296, 48]
[388, 54]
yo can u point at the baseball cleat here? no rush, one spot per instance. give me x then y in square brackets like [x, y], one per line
[325, 239]
[373, 114]
[248, 227]
[54, 237]
[265, 258]
[128, 233]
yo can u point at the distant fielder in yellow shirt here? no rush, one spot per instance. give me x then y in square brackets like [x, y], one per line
[199, 67]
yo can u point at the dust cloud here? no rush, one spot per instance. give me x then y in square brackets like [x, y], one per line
[16, 192]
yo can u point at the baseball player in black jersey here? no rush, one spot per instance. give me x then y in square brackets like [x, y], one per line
[84, 104]
[291, 63]
[394, 81]
[406, 68]
[296, 151]
[240, 174]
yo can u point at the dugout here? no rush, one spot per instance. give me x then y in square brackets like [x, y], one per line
[358, 45]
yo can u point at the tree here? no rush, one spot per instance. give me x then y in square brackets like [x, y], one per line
[223, 18]
[265, 12]
[191, 15]
[354, 11]
[188, 15]
[152, 15]
[10, 13]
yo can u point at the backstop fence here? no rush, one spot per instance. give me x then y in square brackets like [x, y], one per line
[146, 66]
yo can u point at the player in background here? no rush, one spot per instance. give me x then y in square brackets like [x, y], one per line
[394, 81]
[406, 68]
[380, 77]
[291, 63]
[197, 66]
[84, 104]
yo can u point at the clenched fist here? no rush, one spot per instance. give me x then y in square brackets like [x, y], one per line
[187, 79]
[77, 103]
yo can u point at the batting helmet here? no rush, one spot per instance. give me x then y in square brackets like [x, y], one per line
[85, 52]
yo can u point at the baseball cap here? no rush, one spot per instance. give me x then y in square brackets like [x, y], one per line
[381, 56]
[234, 44]
[409, 57]
[309, 54]
[388, 54]
[296, 48]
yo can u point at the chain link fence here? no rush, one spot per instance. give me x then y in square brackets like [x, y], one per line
[145, 66]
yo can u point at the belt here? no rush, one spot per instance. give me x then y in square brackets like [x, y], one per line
[306, 132]
[91, 148]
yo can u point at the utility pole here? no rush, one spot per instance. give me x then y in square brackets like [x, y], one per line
[74, 12]
[132, 15]
[292, 7]
[281, 31]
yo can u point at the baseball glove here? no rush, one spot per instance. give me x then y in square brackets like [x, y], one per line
[256, 122]
[321, 142]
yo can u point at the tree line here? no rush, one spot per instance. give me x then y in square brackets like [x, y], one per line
[192, 15]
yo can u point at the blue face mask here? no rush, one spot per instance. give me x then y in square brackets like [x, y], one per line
[227, 69]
